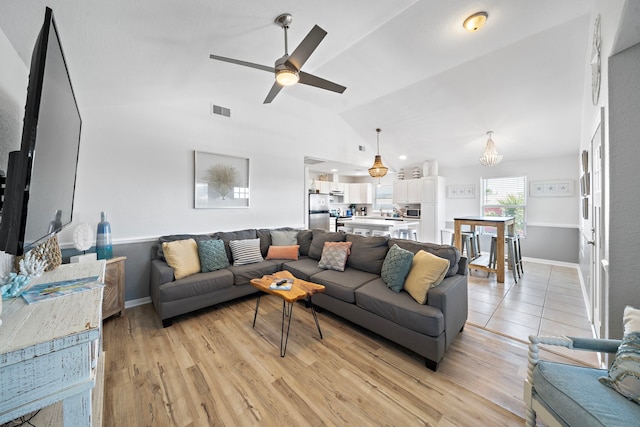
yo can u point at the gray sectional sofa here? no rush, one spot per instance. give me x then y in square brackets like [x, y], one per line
[357, 294]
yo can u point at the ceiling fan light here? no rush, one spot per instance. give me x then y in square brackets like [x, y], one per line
[475, 21]
[287, 77]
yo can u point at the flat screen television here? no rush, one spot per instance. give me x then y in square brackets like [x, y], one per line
[41, 176]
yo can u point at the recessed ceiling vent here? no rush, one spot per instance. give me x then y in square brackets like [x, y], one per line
[220, 111]
[312, 161]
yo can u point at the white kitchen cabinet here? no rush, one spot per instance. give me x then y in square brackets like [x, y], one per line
[432, 208]
[433, 189]
[360, 193]
[407, 191]
[324, 186]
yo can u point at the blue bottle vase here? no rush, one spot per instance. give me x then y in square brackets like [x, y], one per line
[103, 238]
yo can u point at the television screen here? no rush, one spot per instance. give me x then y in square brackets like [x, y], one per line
[40, 188]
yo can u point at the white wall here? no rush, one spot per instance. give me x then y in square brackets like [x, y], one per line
[542, 211]
[136, 164]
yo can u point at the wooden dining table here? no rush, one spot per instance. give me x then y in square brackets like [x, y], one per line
[503, 225]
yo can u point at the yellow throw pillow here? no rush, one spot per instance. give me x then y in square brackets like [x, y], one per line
[427, 271]
[182, 256]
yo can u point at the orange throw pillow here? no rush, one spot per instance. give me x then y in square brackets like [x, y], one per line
[283, 252]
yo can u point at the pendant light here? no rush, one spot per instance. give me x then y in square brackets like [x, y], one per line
[378, 170]
[490, 157]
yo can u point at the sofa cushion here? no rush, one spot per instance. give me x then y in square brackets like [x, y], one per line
[303, 268]
[174, 237]
[579, 399]
[624, 372]
[304, 240]
[367, 253]
[283, 252]
[182, 256]
[245, 251]
[212, 255]
[196, 285]
[284, 237]
[334, 257]
[399, 308]
[396, 266]
[227, 236]
[427, 271]
[243, 274]
[342, 284]
[443, 251]
[319, 238]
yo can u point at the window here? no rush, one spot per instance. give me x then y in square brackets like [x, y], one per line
[506, 197]
[383, 198]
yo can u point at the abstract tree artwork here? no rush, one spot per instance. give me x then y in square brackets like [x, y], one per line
[221, 181]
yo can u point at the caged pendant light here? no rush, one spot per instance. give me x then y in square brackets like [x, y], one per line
[378, 170]
[490, 157]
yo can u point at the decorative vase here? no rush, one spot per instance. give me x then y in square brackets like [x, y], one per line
[103, 238]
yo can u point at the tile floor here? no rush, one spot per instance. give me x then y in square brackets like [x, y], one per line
[547, 300]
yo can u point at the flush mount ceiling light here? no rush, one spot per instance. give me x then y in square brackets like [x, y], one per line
[475, 21]
[490, 157]
[378, 170]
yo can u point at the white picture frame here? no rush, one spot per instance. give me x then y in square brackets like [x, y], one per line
[220, 181]
[551, 188]
[467, 191]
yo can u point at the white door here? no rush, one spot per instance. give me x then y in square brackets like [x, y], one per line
[595, 194]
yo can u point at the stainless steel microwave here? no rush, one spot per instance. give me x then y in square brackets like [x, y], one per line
[412, 213]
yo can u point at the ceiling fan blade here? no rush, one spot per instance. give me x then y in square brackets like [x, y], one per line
[311, 80]
[306, 47]
[275, 89]
[245, 63]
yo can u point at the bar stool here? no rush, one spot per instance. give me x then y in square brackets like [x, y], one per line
[409, 234]
[473, 245]
[514, 255]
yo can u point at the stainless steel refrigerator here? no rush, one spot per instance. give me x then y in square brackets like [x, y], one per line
[319, 211]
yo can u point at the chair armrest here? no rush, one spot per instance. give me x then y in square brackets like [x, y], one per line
[573, 343]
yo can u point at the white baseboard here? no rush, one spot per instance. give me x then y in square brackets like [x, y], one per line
[137, 302]
[551, 262]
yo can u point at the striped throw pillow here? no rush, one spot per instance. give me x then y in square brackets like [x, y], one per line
[245, 251]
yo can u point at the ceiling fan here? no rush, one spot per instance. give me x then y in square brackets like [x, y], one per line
[287, 69]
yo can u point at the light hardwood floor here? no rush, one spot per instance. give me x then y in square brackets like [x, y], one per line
[212, 368]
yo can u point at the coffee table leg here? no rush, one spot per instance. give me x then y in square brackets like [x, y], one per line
[315, 316]
[283, 340]
[255, 314]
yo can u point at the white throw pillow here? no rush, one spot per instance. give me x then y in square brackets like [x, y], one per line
[245, 251]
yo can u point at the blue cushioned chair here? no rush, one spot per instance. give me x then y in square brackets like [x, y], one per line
[567, 395]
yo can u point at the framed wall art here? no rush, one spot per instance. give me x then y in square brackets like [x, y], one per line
[220, 181]
[559, 188]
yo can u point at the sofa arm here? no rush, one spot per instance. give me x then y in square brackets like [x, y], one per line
[160, 273]
[450, 297]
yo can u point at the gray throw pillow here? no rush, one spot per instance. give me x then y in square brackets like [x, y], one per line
[333, 257]
[396, 267]
[284, 237]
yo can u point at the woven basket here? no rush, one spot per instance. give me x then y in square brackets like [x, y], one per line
[48, 251]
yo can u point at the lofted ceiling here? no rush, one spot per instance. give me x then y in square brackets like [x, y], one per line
[409, 66]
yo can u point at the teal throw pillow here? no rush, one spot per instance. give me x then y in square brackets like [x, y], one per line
[396, 266]
[213, 255]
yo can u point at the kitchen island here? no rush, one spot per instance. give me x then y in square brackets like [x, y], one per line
[392, 227]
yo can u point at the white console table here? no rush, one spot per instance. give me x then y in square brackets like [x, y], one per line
[49, 350]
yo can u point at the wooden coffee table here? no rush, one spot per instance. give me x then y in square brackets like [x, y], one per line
[300, 289]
